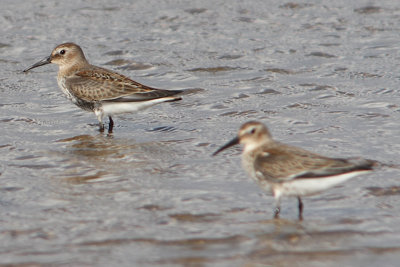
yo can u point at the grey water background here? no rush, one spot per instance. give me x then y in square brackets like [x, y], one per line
[323, 75]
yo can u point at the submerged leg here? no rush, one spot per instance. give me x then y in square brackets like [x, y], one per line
[110, 124]
[300, 208]
[101, 127]
[276, 212]
[277, 209]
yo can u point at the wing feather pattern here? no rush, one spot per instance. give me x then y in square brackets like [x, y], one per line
[98, 84]
[282, 163]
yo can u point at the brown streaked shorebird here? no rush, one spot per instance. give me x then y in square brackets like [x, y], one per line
[100, 90]
[291, 171]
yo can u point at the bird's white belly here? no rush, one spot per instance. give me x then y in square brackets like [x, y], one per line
[310, 186]
[109, 108]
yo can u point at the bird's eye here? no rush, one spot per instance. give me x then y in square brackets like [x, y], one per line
[62, 52]
[253, 131]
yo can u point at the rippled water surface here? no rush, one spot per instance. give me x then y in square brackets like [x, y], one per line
[323, 75]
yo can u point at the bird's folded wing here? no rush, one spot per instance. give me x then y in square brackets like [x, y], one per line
[279, 165]
[336, 167]
[99, 84]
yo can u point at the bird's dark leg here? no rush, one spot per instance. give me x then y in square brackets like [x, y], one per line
[110, 124]
[300, 209]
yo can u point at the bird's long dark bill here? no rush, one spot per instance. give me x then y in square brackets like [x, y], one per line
[233, 142]
[42, 62]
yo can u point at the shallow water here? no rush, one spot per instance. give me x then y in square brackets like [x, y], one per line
[321, 75]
